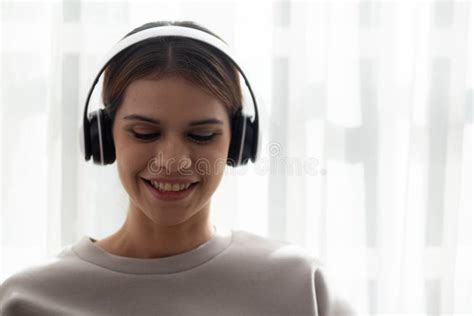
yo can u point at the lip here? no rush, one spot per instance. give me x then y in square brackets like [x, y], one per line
[170, 196]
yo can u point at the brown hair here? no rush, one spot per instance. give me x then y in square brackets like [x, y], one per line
[154, 58]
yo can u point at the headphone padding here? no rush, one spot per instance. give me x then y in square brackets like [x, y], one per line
[236, 138]
[107, 138]
[248, 148]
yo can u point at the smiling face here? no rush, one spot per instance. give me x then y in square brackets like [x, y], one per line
[174, 147]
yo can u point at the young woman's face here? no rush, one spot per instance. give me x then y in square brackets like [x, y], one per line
[173, 148]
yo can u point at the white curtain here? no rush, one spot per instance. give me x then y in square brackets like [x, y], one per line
[366, 110]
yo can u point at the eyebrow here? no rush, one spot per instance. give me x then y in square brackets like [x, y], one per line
[152, 120]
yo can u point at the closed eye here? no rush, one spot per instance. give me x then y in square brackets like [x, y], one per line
[202, 138]
[144, 136]
[195, 137]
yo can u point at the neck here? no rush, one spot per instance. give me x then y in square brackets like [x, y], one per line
[139, 237]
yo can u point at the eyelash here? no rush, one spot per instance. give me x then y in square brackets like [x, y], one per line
[197, 138]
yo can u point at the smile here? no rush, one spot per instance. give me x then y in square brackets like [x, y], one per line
[167, 192]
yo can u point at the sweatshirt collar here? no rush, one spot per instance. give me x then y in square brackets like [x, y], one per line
[87, 250]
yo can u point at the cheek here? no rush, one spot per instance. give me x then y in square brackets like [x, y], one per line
[131, 157]
[211, 165]
[131, 163]
[221, 147]
[215, 153]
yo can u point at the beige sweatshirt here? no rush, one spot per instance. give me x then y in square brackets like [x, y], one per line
[234, 273]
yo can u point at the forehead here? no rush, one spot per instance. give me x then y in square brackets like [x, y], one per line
[170, 98]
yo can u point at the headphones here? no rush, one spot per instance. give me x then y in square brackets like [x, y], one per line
[96, 130]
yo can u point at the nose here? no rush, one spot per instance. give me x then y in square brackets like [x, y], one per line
[172, 156]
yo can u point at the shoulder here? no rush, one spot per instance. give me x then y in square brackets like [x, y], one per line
[270, 257]
[270, 250]
[23, 290]
[295, 267]
[273, 254]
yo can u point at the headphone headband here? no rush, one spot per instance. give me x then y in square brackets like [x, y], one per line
[162, 31]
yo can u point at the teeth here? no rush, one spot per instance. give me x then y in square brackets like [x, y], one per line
[170, 187]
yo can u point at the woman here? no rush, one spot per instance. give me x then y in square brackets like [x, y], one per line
[170, 106]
